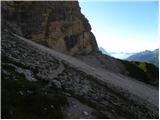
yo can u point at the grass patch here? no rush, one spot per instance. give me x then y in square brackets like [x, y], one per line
[142, 71]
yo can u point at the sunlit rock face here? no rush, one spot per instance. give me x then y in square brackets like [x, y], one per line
[58, 25]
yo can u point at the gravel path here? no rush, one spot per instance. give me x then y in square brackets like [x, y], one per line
[131, 86]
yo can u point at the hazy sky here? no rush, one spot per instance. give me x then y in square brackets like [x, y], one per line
[123, 26]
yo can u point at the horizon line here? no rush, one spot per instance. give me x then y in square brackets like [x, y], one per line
[118, 0]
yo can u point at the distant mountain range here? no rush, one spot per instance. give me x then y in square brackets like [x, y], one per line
[119, 55]
[104, 51]
[146, 56]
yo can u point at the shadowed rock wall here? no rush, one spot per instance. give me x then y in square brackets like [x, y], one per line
[58, 25]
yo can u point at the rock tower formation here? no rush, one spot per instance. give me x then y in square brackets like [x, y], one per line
[58, 25]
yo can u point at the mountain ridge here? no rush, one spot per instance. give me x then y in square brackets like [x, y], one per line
[146, 56]
[104, 51]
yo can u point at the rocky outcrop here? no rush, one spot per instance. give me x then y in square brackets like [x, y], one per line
[58, 25]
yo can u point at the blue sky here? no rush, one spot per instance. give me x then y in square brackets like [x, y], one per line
[123, 26]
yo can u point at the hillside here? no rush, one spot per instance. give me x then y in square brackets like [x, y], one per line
[52, 68]
[28, 88]
[146, 56]
[144, 72]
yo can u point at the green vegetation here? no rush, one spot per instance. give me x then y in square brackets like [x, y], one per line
[142, 66]
[151, 71]
[143, 71]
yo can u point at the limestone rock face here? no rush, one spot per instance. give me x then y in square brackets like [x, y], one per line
[58, 25]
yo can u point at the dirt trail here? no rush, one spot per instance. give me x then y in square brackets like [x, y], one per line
[131, 86]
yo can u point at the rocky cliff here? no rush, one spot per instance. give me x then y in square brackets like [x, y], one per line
[58, 25]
